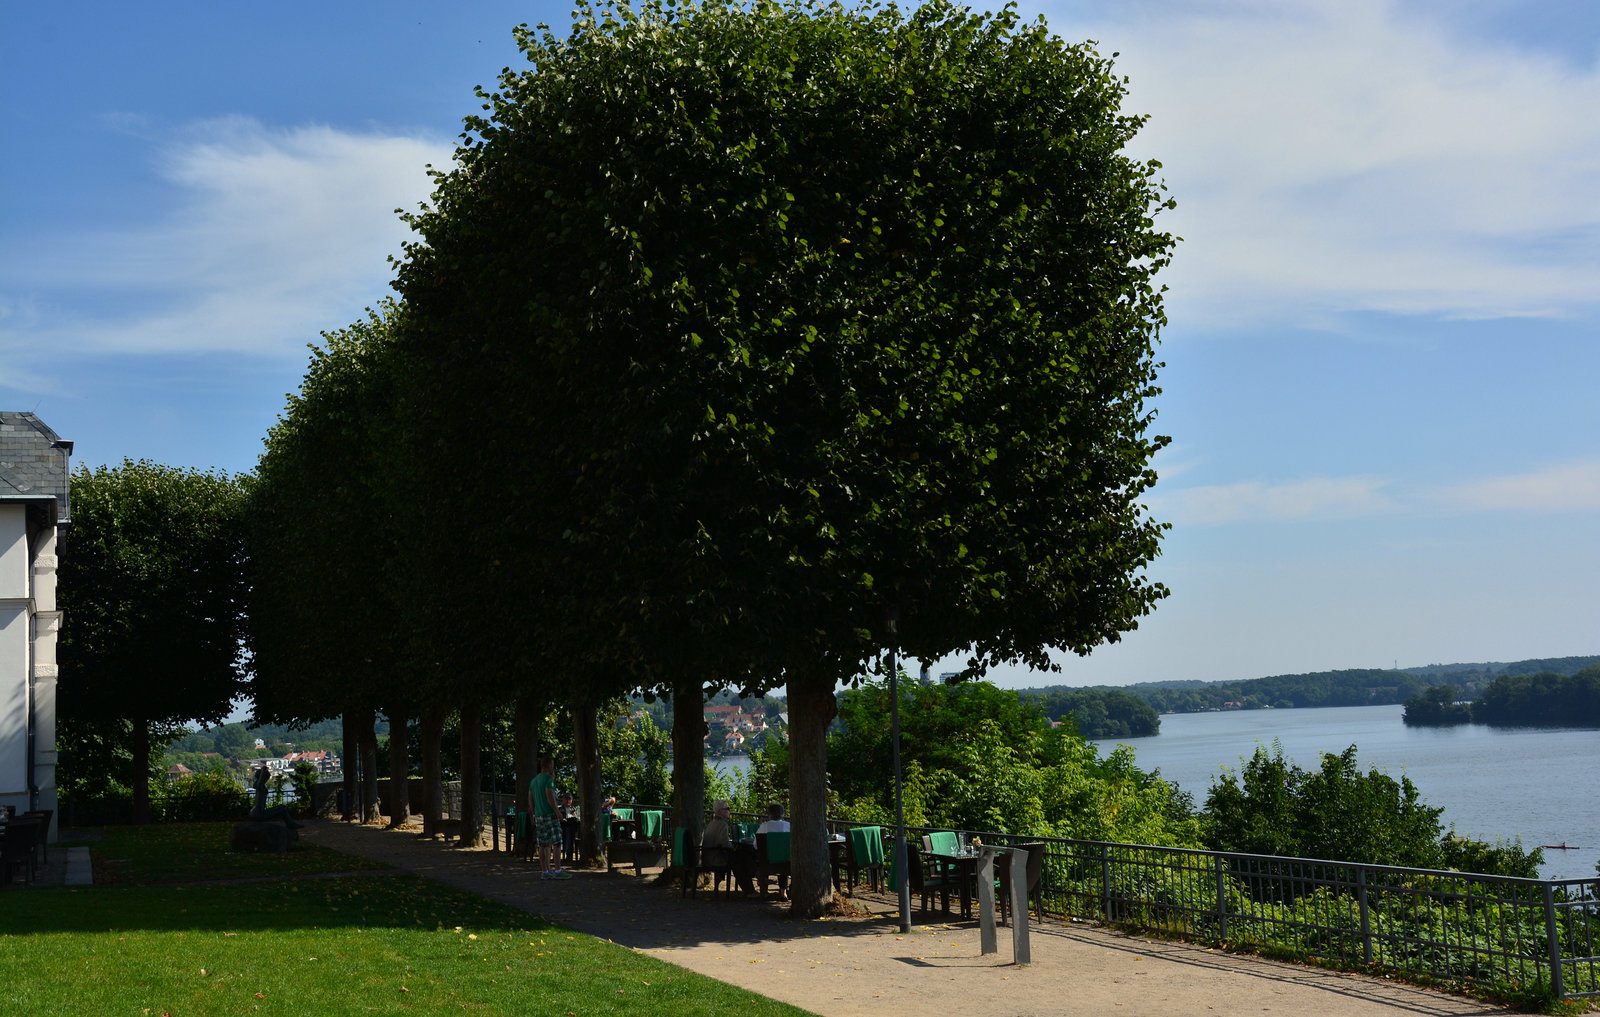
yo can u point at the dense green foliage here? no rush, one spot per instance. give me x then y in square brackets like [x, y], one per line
[1337, 812]
[154, 588]
[1521, 699]
[981, 758]
[1436, 706]
[1101, 713]
[1541, 700]
[781, 293]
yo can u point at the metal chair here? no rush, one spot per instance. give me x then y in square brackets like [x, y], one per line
[772, 860]
[19, 848]
[686, 856]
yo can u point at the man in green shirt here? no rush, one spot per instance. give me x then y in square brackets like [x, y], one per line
[546, 820]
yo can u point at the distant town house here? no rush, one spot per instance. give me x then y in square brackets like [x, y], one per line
[35, 511]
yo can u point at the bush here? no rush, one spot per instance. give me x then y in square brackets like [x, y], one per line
[199, 796]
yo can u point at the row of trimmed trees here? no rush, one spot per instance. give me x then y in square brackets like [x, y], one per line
[741, 344]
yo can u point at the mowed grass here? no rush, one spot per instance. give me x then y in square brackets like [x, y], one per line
[360, 943]
[186, 852]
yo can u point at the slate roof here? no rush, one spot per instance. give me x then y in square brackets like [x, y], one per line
[33, 462]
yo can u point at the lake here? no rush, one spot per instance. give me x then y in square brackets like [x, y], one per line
[1540, 784]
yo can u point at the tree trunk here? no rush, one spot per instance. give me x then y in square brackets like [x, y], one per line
[688, 755]
[367, 739]
[586, 747]
[525, 748]
[430, 734]
[471, 773]
[351, 760]
[811, 709]
[139, 782]
[399, 769]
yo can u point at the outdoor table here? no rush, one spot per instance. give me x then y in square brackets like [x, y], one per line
[962, 867]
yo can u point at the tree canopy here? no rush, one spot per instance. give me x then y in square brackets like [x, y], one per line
[154, 589]
[784, 318]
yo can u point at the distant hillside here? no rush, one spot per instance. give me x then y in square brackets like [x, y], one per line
[1355, 687]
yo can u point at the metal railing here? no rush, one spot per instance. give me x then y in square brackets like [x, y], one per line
[1498, 932]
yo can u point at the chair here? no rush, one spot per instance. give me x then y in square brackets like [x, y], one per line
[649, 824]
[43, 816]
[686, 856]
[1035, 870]
[772, 859]
[924, 881]
[22, 838]
[863, 854]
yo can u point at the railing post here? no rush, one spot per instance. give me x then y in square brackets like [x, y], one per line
[1105, 880]
[1366, 917]
[1222, 898]
[1556, 988]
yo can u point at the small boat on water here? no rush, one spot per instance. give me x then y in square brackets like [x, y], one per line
[1563, 846]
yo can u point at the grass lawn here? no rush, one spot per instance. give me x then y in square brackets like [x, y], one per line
[359, 943]
[185, 852]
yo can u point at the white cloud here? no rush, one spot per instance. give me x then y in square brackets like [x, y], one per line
[277, 236]
[1570, 488]
[1316, 498]
[1332, 156]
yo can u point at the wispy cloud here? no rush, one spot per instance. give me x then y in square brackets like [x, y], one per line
[276, 236]
[1573, 487]
[1348, 155]
[1570, 487]
[1315, 498]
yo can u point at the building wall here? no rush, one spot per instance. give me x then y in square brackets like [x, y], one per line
[16, 656]
[29, 626]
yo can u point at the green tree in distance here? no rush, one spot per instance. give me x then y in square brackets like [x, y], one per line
[154, 589]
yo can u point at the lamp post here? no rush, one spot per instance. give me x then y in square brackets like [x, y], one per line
[901, 874]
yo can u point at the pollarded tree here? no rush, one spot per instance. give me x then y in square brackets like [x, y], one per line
[154, 589]
[805, 317]
[324, 634]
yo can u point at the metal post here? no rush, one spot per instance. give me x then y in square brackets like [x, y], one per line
[1366, 916]
[901, 857]
[1222, 898]
[1021, 952]
[1557, 991]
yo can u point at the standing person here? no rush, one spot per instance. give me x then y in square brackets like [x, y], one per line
[546, 820]
[776, 824]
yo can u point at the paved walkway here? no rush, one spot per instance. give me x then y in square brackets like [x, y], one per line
[844, 967]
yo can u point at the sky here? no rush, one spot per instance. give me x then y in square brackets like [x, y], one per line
[1382, 361]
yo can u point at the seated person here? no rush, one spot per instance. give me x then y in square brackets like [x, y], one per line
[569, 826]
[717, 847]
[777, 824]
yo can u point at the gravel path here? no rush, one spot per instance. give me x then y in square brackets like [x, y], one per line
[843, 967]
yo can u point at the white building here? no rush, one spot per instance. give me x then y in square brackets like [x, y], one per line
[34, 511]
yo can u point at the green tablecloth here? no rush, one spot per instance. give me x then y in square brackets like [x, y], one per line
[649, 824]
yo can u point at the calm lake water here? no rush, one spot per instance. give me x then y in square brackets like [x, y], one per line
[1542, 785]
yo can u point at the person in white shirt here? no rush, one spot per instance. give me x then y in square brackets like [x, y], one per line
[777, 824]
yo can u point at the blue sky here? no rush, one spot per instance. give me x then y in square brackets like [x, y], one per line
[1382, 370]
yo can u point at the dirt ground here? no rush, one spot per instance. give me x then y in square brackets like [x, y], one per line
[842, 967]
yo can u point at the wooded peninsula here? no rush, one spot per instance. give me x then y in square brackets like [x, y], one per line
[1133, 711]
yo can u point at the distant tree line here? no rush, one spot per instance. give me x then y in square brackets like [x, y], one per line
[1100, 713]
[1545, 699]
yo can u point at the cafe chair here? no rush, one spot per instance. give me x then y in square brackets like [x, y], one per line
[863, 848]
[17, 840]
[772, 857]
[927, 880]
[687, 858]
[43, 816]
